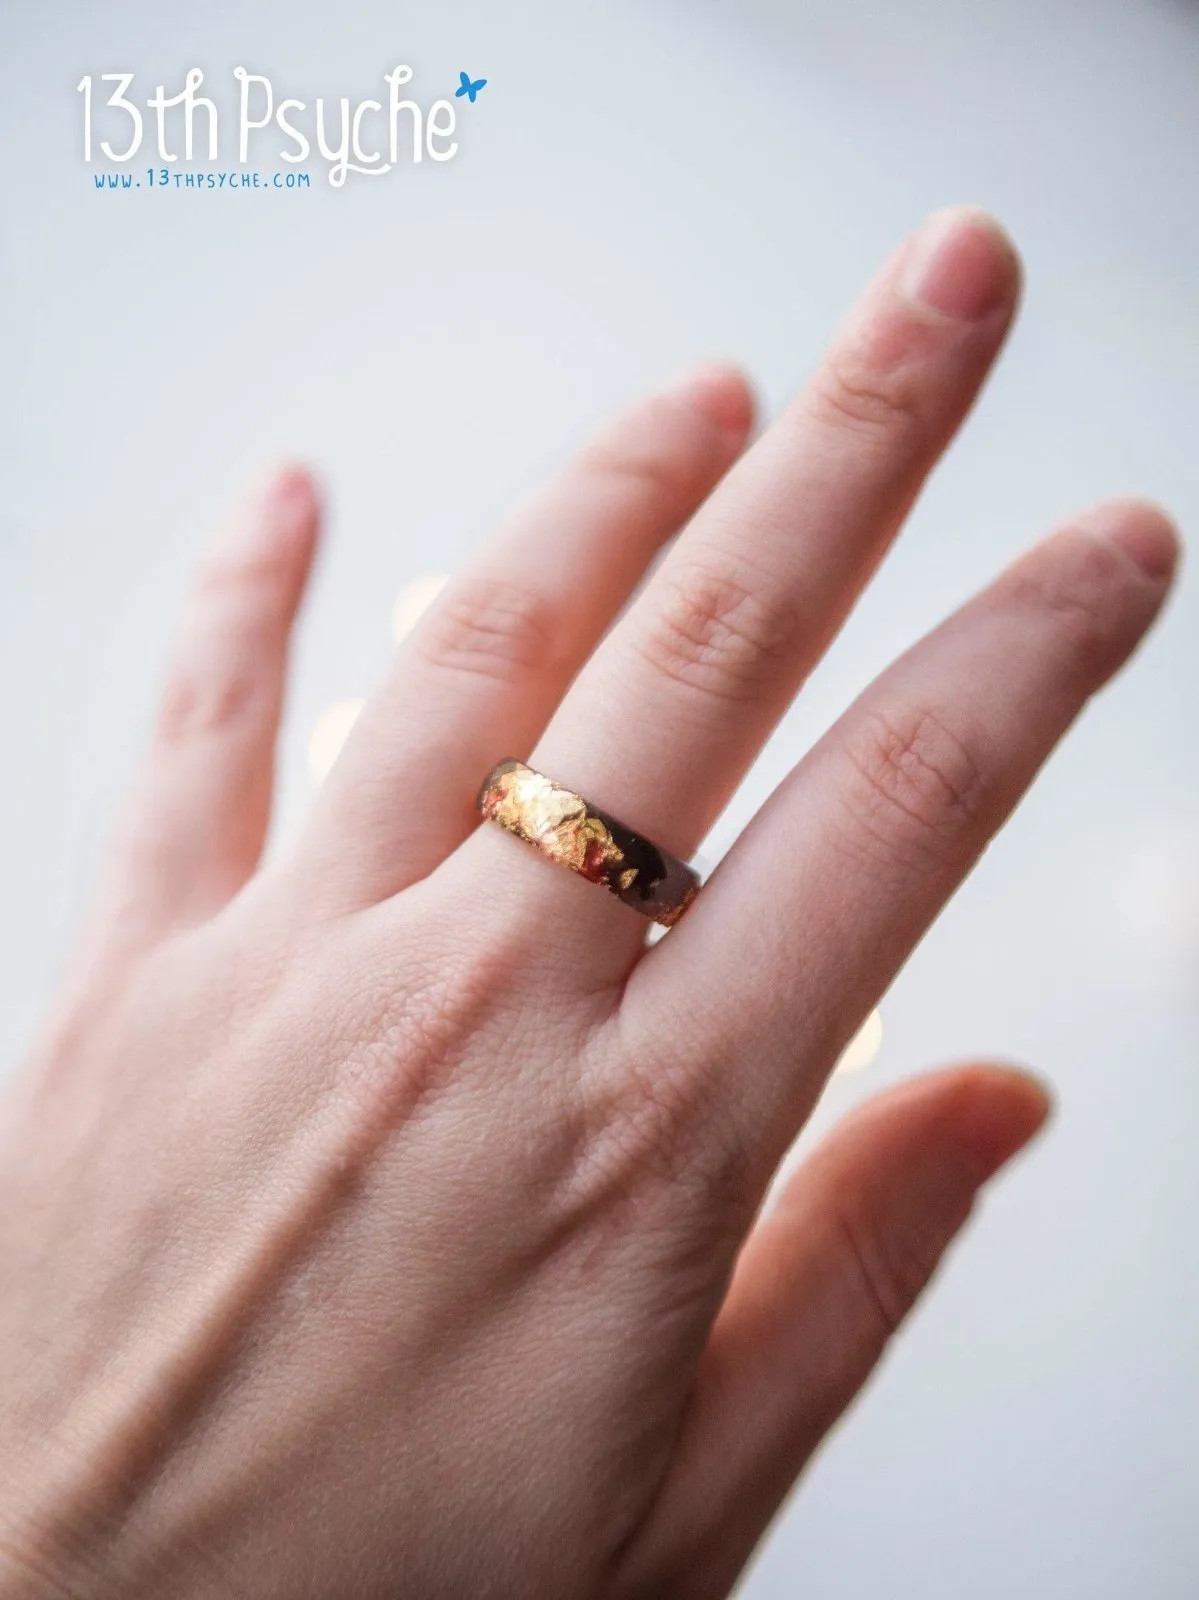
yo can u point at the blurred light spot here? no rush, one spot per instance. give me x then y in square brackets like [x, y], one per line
[330, 733]
[413, 600]
[863, 1047]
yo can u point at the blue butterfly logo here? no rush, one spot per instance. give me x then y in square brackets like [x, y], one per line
[468, 86]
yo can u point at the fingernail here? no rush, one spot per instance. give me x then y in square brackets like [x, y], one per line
[1143, 530]
[720, 394]
[962, 265]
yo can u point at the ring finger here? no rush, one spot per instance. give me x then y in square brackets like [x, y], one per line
[676, 703]
[486, 666]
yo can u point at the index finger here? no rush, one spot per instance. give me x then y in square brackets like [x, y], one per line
[823, 898]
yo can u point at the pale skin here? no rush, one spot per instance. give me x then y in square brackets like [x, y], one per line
[381, 1221]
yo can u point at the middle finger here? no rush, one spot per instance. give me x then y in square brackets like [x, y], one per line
[672, 709]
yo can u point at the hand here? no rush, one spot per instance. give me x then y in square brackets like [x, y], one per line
[380, 1222]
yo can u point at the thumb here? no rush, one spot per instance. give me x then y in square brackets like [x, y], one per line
[823, 1282]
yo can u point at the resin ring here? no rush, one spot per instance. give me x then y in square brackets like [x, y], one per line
[576, 834]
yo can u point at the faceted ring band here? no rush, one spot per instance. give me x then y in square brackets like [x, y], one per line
[575, 834]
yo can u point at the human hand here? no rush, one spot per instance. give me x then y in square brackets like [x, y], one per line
[381, 1221]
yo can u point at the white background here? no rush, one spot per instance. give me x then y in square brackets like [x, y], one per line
[637, 188]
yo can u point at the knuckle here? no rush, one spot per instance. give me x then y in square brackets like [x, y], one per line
[227, 665]
[200, 703]
[920, 787]
[492, 628]
[663, 453]
[260, 571]
[856, 392]
[888, 1266]
[711, 632]
[1078, 593]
